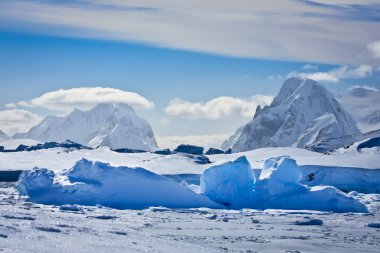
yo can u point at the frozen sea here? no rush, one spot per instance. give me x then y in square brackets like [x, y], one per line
[30, 227]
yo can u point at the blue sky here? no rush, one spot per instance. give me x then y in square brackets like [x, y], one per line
[180, 56]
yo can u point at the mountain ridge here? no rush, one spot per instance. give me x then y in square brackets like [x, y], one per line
[113, 125]
[303, 113]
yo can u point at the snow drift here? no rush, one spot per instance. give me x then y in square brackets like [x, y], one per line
[92, 183]
[233, 184]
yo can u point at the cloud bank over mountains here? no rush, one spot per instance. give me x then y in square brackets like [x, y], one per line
[18, 120]
[218, 107]
[85, 98]
[337, 74]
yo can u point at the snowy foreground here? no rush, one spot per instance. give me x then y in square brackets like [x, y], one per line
[30, 227]
[68, 205]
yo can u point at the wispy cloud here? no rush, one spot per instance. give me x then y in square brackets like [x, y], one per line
[337, 74]
[311, 31]
[364, 87]
[310, 67]
[84, 98]
[217, 108]
[17, 120]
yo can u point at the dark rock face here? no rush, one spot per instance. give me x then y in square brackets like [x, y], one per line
[47, 145]
[189, 149]
[371, 143]
[214, 151]
[163, 152]
[128, 150]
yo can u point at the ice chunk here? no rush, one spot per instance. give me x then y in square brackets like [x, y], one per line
[279, 187]
[279, 175]
[230, 184]
[92, 183]
[320, 198]
[35, 181]
[282, 168]
[233, 184]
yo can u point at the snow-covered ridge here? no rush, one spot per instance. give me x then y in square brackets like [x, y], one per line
[302, 114]
[116, 126]
[4, 136]
[363, 104]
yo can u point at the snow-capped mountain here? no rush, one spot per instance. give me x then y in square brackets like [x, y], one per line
[364, 106]
[116, 126]
[4, 136]
[303, 114]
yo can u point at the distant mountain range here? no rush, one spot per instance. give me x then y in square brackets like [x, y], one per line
[116, 126]
[303, 115]
[364, 105]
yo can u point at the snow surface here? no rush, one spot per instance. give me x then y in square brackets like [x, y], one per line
[30, 227]
[115, 126]
[233, 184]
[302, 114]
[93, 183]
[57, 159]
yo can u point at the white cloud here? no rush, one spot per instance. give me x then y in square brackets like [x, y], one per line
[206, 140]
[17, 120]
[374, 49]
[85, 98]
[11, 105]
[310, 67]
[337, 74]
[330, 32]
[217, 108]
[365, 87]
